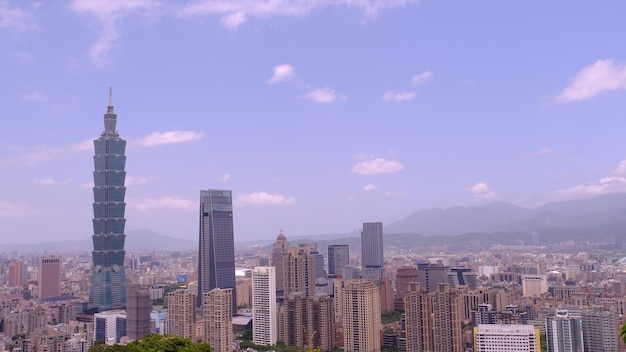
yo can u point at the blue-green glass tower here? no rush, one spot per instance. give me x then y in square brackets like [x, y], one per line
[108, 280]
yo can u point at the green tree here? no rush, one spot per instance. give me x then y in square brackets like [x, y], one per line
[156, 343]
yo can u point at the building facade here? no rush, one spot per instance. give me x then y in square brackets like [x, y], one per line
[361, 316]
[338, 258]
[279, 250]
[138, 308]
[299, 271]
[264, 310]
[108, 278]
[181, 313]
[564, 332]
[216, 257]
[499, 337]
[372, 255]
[49, 276]
[217, 311]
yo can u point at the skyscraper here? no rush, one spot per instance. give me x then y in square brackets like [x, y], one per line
[338, 258]
[49, 276]
[372, 255]
[216, 257]
[279, 250]
[264, 310]
[299, 270]
[138, 308]
[108, 279]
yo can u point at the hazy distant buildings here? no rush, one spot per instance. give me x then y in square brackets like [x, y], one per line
[49, 276]
[279, 250]
[430, 275]
[264, 310]
[16, 273]
[108, 278]
[216, 257]
[372, 255]
[338, 258]
[405, 276]
[534, 285]
[218, 316]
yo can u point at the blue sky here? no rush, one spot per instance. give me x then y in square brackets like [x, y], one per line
[319, 114]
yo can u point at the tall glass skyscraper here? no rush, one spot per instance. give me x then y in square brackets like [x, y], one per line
[108, 279]
[216, 256]
[372, 255]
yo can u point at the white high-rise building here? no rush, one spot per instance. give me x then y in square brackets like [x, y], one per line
[534, 285]
[506, 337]
[264, 310]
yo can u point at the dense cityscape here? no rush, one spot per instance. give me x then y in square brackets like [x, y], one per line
[302, 295]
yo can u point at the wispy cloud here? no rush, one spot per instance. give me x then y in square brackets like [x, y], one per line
[49, 181]
[224, 178]
[545, 151]
[422, 77]
[323, 96]
[601, 76]
[135, 181]
[262, 198]
[370, 187]
[148, 204]
[233, 13]
[109, 13]
[282, 73]
[16, 17]
[35, 96]
[398, 96]
[481, 191]
[616, 182]
[377, 166]
[169, 137]
[40, 154]
[15, 210]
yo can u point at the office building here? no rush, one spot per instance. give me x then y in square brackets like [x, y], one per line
[338, 258]
[279, 250]
[299, 270]
[110, 326]
[16, 273]
[498, 337]
[463, 277]
[430, 275]
[264, 310]
[361, 316]
[108, 278]
[216, 257]
[138, 308]
[218, 316]
[320, 271]
[564, 332]
[181, 313]
[372, 255]
[49, 276]
[534, 285]
[405, 276]
[600, 332]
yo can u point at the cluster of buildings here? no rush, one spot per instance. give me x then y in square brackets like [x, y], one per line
[370, 299]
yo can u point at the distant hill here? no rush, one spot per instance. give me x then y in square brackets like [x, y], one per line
[605, 210]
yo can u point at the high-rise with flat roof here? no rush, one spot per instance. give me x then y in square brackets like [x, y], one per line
[430, 275]
[372, 255]
[16, 273]
[338, 258]
[181, 313]
[138, 308]
[361, 316]
[216, 257]
[49, 276]
[108, 278]
[218, 317]
[264, 310]
[299, 270]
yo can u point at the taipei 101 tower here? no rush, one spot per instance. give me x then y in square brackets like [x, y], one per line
[108, 279]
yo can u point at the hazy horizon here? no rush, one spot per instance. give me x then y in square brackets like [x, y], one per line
[318, 115]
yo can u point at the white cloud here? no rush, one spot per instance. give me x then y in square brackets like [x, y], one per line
[15, 210]
[134, 181]
[610, 184]
[262, 198]
[592, 80]
[398, 96]
[16, 17]
[377, 166]
[282, 73]
[272, 8]
[545, 151]
[40, 154]
[370, 187]
[88, 185]
[323, 96]
[169, 137]
[109, 14]
[233, 20]
[620, 170]
[49, 181]
[422, 77]
[174, 203]
[481, 191]
[224, 178]
[35, 96]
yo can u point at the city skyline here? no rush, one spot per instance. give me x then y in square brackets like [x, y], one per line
[318, 115]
